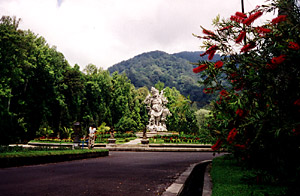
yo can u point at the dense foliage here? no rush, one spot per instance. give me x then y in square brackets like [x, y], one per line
[40, 92]
[174, 70]
[256, 115]
[42, 95]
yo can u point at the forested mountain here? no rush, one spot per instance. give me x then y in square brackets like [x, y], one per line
[174, 70]
[195, 56]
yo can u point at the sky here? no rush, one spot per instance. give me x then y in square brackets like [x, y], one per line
[106, 32]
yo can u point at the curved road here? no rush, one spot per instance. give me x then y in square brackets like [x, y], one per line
[119, 174]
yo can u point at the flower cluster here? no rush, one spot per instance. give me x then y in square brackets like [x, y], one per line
[211, 52]
[232, 135]
[252, 18]
[279, 19]
[293, 46]
[200, 68]
[276, 61]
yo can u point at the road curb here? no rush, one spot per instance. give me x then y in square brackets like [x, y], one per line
[158, 149]
[181, 182]
[177, 186]
[139, 147]
[207, 182]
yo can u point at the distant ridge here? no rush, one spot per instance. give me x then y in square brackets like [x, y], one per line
[175, 70]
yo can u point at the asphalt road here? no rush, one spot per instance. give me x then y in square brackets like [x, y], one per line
[119, 174]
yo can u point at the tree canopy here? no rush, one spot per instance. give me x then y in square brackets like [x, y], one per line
[40, 93]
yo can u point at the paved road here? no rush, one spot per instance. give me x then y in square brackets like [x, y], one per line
[119, 174]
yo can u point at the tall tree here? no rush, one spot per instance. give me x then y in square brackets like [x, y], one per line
[12, 55]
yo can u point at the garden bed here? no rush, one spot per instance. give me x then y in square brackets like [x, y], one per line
[100, 140]
[40, 156]
[178, 139]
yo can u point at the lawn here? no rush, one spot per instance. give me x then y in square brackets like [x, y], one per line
[18, 156]
[231, 179]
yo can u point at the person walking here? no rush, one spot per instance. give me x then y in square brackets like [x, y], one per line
[92, 132]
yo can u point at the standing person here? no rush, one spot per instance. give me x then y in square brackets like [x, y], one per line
[92, 131]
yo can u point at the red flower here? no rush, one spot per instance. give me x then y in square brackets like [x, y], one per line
[208, 90]
[217, 145]
[262, 31]
[296, 131]
[248, 47]
[279, 19]
[200, 68]
[219, 64]
[241, 36]
[211, 52]
[241, 146]
[226, 28]
[237, 19]
[278, 60]
[224, 93]
[211, 55]
[239, 112]
[240, 14]
[297, 102]
[207, 32]
[293, 46]
[231, 135]
[252, 17]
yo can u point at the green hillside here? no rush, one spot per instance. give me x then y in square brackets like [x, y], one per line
[175, 70]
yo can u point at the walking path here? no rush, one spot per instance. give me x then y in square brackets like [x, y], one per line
[134, 142]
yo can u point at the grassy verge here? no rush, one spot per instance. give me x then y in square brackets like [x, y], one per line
[230, 179]
[48, 153]
[31, 157]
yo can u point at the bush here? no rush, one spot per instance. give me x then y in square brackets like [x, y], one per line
[256, 114]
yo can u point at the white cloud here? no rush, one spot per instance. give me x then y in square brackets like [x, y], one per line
[106, 32]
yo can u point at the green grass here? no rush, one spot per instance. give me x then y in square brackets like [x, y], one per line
[18, 156]
[124, 140]
[230, 179]
[36, 153]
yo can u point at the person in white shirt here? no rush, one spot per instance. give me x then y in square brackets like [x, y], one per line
[92, 131]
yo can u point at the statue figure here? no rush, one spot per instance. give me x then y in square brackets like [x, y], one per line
[157, 110]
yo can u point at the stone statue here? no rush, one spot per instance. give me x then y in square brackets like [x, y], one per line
[157, 110]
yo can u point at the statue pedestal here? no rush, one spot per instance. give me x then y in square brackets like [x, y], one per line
[144, 141]
[111, 141]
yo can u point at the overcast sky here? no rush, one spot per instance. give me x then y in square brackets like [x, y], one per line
[105, 32]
